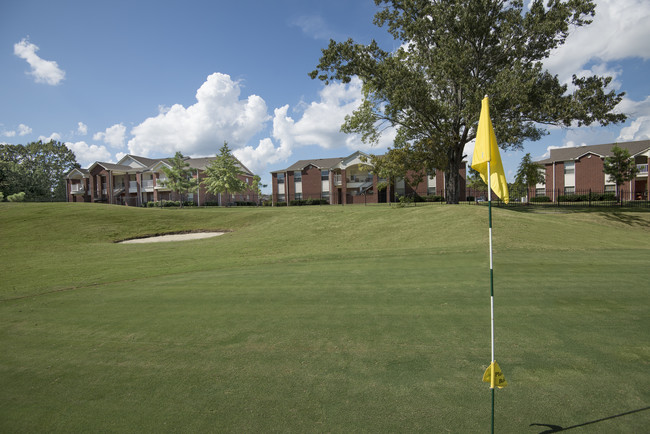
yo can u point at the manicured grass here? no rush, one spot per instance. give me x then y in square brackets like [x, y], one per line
[321, 319]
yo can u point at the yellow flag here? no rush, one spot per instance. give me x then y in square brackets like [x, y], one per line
[499, 379]
[485, 150]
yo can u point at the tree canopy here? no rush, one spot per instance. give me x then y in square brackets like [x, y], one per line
[529, 172]
[452, 54]
[38, 169]
[222, 174]
[179, 176]
[620, 166]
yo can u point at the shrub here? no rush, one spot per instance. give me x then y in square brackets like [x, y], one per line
[2, 196]
[540, 199]
[280, 204]
[435, 198]
[18, 197]
[470, 198]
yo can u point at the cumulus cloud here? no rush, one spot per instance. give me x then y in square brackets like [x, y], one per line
[321, 120]
[52, 137]
[23, 130]
[619, 30]
[218, 115]
[257, 158]
[82, 129]
[638, 130]
[113, 136]
[44, 71]
[87, 154]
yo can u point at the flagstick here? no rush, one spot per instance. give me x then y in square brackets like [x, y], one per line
[491, 289]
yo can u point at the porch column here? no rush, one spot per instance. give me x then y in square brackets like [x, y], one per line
[344, 186]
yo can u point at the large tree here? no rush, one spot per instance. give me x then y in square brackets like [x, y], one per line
[179, 177]
[452, 54]
[620, 167]
[38, 169]
[223, 174]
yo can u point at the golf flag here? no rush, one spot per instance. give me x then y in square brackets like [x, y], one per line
[485, 150]
[497, 379]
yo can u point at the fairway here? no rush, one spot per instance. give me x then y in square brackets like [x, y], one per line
[322, 319]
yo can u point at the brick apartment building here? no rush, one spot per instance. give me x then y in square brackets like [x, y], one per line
[579, 170]
[137, 180]
[347, 180]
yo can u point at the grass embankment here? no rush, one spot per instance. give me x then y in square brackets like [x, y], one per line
[332, 319]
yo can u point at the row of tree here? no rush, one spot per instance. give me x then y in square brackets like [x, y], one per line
[223, 175]
[37, 169]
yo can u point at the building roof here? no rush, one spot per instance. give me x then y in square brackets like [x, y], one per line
[150, 163]
[568, 154]
[321, 163]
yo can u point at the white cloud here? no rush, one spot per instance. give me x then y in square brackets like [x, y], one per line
[113, 136]
[321, 121]
[619, 30]
[87, 154]
[23, 130]
[82, 129]
[200, 129]
[44, 71]
[52, 137]
[256, 159]
[638, 130]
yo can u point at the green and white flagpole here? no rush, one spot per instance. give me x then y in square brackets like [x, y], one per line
[486, 152]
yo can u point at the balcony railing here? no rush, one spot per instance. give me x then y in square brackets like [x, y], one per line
[77, 188]
[133, 186]
[338, 180]
[147, 184]
[642, 168]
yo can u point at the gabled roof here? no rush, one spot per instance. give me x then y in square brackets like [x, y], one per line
[320, 163]
[79, 171]
[111, 166]
[143, 161]
[568, 154]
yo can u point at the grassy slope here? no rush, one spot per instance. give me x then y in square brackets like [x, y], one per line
[320, 319]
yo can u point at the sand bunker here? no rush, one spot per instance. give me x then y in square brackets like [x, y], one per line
[174, 237]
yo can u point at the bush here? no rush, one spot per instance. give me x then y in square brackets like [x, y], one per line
[280, 204]
[18, 197]
[470, 198]
[2, 196]
[435, 198]
[540, 199]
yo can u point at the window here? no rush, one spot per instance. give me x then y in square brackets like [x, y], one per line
[610, 188]
[325, 195]
[540, 192]
[324, 175]
[280, 178]
[280, 197]
[297, 176]
[569, 190]
[569, 167]
[298, 196]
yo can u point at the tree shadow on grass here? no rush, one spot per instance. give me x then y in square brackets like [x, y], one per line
[558, 428]
[625, 218]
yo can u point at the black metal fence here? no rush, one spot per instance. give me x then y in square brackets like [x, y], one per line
[577, 198]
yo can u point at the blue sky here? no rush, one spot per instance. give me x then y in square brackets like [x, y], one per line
[154, 77]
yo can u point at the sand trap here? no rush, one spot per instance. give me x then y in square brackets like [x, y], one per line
[175, 237]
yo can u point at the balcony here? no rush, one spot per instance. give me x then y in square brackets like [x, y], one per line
[160, 184]
[147, 185]
[133, 186]
[338, 180]
[643, 169]
[77, 189]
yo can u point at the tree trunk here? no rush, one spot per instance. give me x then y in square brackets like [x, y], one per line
[452, 174]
